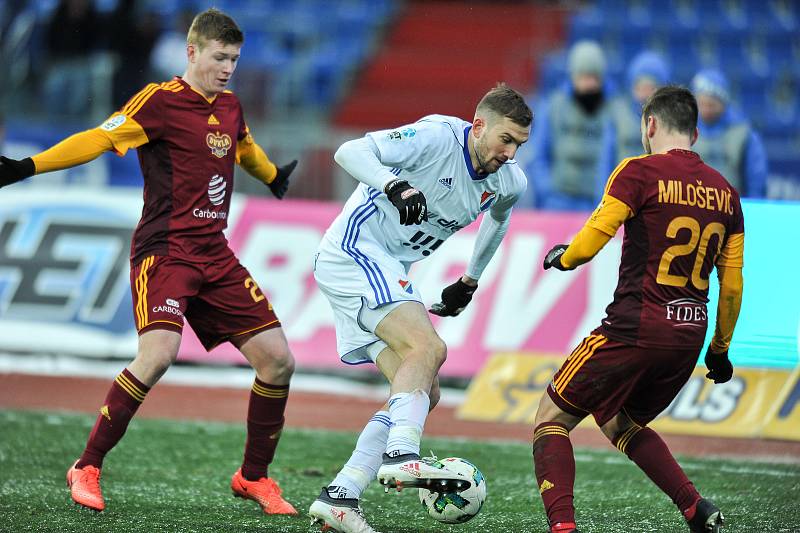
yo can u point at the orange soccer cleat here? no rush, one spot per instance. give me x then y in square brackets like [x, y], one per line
[265, 491]
[84, 486]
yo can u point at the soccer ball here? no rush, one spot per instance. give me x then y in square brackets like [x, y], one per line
[456, 507]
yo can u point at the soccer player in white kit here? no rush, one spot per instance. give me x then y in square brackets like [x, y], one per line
[438, 175]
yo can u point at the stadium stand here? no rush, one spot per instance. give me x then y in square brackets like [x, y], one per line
[756, 44]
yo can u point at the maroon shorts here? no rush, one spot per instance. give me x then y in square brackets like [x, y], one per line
[219, 298]
[603, 377]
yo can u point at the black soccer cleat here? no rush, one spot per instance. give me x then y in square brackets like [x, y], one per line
[707, 518]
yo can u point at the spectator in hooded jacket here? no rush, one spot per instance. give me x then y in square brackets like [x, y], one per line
[647, 72]
[727, 141]
[573, 137]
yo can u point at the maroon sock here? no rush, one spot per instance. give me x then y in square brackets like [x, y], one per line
[645, 448]
[554, 464]
[123, 399]
[264, 424]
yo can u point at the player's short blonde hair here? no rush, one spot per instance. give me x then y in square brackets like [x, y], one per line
[212, 24]
[504, 101]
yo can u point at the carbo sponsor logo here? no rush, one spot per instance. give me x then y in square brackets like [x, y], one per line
[167, 309]
[207, 213]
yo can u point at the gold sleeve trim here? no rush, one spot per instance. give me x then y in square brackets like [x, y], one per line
[251, 157]
[732, 254]
[731, 287]
[73, 151]
[609, 215]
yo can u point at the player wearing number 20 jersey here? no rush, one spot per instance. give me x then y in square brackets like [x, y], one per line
[682, 219]
[685, 218]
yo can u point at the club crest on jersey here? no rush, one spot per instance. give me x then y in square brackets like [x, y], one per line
[219, 144]
[406, 284]
[447, 183]
[487, 199]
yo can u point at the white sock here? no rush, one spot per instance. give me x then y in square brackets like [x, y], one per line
[408, 411]
[363, 465]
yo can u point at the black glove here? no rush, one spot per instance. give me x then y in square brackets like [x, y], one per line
[12, 171]
[719, 366]
[455, 298]
[280, 184]
[409, 202]
[553, 257]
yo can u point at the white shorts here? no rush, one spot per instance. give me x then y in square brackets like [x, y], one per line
[363, 284]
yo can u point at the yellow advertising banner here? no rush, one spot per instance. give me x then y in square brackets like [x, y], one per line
[755, 403]
[785, 422]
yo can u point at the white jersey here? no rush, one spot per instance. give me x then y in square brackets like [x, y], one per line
[432, 155]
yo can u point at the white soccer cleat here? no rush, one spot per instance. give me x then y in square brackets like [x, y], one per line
[338, 514]
[409, 470]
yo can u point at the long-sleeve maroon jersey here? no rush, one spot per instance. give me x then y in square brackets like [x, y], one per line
[683, 216]
[187, 151]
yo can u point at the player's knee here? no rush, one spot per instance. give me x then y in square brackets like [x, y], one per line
[149, 365]
[435, 395]
[437, 351]
[282, 363]
[615, 427]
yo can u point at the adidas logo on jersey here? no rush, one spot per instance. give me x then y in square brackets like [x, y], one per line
[447, 183]
[212, 120]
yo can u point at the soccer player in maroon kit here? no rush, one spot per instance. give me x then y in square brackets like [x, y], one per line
[189, 133]
[682, 218]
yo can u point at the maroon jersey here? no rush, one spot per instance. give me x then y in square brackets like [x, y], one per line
[187, 150]
[684, 212]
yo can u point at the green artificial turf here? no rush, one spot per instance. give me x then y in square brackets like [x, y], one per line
[174, 476]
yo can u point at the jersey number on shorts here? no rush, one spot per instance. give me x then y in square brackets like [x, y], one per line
[253, 286]
[697, 241]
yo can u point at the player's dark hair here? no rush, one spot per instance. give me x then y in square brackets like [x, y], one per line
[212, 24]
[507, 102]
[675, 107]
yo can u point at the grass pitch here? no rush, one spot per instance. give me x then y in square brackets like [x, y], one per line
[174, 476]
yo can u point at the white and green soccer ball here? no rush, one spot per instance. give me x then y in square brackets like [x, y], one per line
[456, 507]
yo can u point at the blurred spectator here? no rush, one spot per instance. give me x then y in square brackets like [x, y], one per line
[72, 33]
[168, 58]
[133, 29]
[647, 72]
[572, 139]
[727, 142]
